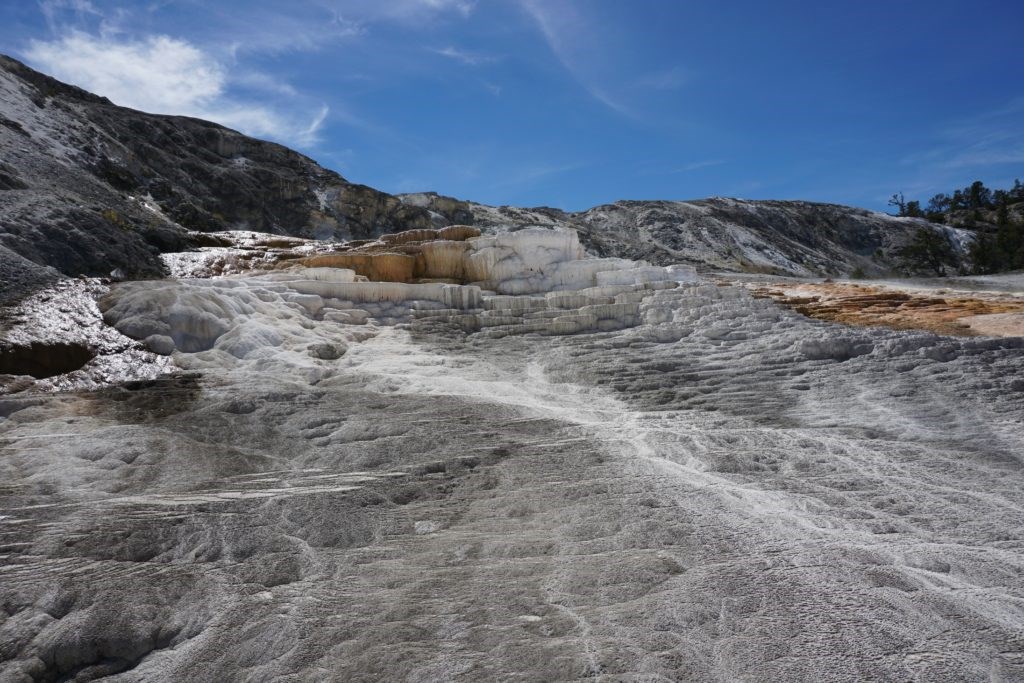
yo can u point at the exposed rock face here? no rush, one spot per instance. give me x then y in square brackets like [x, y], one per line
[88, 187]
[20, 276]
[780, 237]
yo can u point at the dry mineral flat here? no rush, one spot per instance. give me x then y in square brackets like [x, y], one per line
[967, 306]
[728, 490]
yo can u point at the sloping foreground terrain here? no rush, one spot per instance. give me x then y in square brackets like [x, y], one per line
[708, 487]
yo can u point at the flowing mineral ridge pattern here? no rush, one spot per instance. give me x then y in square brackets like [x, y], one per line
[485, 453]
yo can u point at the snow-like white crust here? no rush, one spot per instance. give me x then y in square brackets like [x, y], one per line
[534, 280]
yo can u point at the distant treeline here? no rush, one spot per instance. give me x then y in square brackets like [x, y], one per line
[999, 245]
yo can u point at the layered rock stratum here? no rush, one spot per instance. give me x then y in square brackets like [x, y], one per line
[542, 447]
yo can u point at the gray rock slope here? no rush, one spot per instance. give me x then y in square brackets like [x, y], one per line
[88, 187]
[768, 498]
[795, 238]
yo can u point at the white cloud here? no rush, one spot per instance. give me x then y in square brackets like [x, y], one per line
[529, 175]
[267, 28]
[366, 12]
[399, 9]
[159, 74]
[697, 165]
[265, 123]
[566, 32]
[467, 58]
[991, 138]
[165, 75]
[53, 9]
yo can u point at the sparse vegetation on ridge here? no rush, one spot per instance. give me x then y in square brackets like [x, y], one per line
[996, 217]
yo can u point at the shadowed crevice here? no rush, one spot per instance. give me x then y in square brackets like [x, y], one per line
[44, 359]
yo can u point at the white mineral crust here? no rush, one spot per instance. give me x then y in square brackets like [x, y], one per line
[570, 470]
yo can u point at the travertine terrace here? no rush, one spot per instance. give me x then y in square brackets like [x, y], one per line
[536, 466]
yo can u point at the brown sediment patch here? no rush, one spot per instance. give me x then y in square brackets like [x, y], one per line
[377, 266]
[940, 311]
[409, 256]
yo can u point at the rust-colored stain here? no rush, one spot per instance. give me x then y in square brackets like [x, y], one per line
[951, 313]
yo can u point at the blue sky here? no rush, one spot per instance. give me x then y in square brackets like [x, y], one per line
[572, 103]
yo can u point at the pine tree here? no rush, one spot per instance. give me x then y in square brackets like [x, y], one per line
[978, 196]
[939, 203]
[930, 251]
[956, 202]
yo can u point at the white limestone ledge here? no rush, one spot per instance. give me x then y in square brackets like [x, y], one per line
[531, 281]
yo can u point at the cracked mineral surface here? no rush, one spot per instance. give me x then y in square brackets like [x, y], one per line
[473, 485]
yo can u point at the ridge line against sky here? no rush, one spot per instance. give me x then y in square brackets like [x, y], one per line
[571, 103]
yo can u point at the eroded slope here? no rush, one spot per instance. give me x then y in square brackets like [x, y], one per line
[725, 490]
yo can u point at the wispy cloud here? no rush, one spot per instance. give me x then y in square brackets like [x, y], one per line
[697, 165]
[416, 8]
[562, 25]
[464, 56]
[401, 11]
[264, 82]
[54, 10]
[267, 30]
[529, 175]
[988, 139]
[663, 169]
[667, 79]
[165, 75]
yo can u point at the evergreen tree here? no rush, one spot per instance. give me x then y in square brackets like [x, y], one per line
[984, 255]
[1002, 215]
[1009, 244]
[1017, 193]
[956, 202]
[939, 203]
[994, 249]
[930, 252]
[978, 196]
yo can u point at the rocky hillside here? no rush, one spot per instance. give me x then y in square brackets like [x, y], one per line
[87, 187]
[778, 237]
[91, 188]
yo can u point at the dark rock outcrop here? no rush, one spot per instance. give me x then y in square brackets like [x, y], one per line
[89, 187]
[777, 237]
